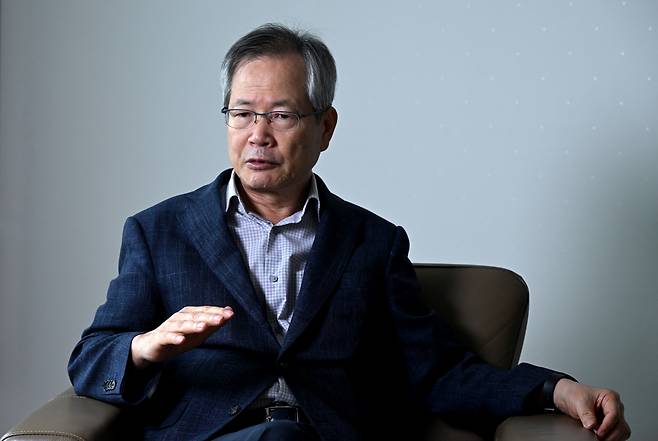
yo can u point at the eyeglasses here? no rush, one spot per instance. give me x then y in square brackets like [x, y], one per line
[278, 119]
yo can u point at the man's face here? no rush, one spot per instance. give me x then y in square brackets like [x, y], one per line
[267, 160]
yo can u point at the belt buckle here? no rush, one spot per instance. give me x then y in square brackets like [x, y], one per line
[271, 411]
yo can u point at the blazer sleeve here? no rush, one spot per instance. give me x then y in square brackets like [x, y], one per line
[445, 376]
[100, 365]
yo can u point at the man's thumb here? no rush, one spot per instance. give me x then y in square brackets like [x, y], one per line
[587, 418]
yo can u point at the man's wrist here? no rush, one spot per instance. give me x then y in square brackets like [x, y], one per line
[137, 361]
[548, 391]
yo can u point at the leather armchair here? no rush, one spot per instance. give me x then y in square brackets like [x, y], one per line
[487, 306]
[488, 309]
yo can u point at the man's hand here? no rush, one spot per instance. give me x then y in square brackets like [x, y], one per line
[600, 410]
[184, 330]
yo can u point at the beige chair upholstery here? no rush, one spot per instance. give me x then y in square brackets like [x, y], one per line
[488, 309]
[68, 417]
[487, 306]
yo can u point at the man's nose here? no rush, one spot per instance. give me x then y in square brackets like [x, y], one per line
[261, 132]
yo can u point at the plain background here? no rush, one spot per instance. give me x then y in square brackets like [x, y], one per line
[509, 133]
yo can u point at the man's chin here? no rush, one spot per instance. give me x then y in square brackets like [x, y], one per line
[258, 184]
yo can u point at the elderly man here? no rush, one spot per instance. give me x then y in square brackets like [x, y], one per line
[262, 306]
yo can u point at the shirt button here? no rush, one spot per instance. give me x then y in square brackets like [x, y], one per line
[234, 410]
[274, 278]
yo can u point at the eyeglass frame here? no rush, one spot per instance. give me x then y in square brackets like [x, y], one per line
[225, 110]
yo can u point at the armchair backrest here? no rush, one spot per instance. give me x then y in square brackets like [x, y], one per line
[486, 306]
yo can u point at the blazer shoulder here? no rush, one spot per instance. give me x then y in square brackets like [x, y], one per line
[166, 208]
[351, 209]
[170, 208]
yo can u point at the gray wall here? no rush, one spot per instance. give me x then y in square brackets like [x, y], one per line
[511, 133]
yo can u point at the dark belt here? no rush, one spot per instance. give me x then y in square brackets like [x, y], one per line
[275, 412]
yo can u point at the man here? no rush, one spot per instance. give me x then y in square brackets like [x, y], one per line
[262, 306]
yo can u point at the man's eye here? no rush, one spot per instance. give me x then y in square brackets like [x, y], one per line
[280, 116]
[239, 115]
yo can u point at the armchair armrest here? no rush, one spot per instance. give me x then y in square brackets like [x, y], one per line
[545, 427]
[68, 417]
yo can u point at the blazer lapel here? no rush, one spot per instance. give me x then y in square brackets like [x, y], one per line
[332, 248]
[204, 223]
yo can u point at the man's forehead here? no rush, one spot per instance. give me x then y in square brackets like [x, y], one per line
[290, 58]
[276, 80]
[288, 63]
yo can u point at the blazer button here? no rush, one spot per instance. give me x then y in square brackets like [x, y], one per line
[109, 385]
[234, 410]
[283, 364]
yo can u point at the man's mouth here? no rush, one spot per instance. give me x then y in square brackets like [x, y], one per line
[261, 164]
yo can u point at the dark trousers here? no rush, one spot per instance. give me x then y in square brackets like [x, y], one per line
[280, 430]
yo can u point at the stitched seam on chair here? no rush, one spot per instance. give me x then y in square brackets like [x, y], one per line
[43, 432]
[497, 333]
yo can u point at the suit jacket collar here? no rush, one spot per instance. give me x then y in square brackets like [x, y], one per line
[332, 249]
[232, 193]
[204, 223]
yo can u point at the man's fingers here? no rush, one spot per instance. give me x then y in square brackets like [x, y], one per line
[183, 331]
[188, 318]
[212, 316]
[613, 427]
[219, 310]
[177, 332]
[203, 317]
[171, 338]
[193, 321]
[184, 326]
[619, 433]
[610, 421]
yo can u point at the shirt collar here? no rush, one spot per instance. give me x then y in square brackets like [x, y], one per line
[232, 194]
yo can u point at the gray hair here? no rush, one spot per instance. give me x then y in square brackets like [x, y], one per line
[276, 39]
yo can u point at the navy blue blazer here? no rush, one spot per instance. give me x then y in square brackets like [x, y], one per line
[363, 357]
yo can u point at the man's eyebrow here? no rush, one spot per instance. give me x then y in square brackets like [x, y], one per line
[246, 102]
[241, 102]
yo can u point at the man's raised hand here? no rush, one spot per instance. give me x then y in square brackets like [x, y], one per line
[184, 330]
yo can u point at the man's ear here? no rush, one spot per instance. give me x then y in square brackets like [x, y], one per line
[329, 121]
